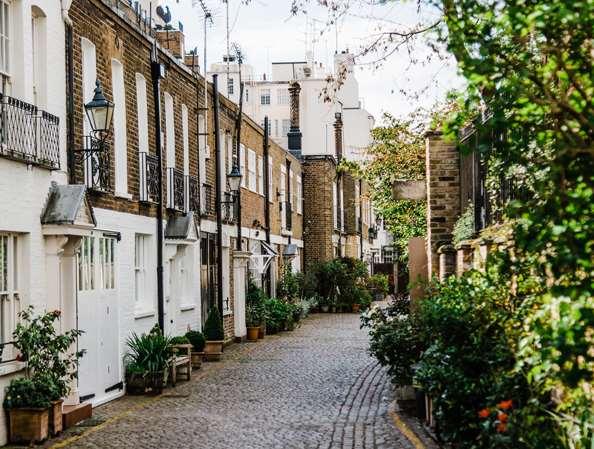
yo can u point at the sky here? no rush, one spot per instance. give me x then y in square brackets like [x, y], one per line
[267, 32]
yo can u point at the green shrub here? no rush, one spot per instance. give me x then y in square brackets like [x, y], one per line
[278, 313]
[253, 315]
[213, 328]
[378, 284]
[180, 340]
[197, 340]
[464, 226]
[26, 393]
[342, 282]
[290, 284]
[149, 353]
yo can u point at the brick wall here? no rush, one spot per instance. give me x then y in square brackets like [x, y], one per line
[443, 195]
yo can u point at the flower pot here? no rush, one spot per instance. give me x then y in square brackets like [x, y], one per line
[135, 384]
[197, 359]
[156, 381]
[261, 331]
[28, 425]
[55, 417]
[213, 350]
[325, 309]
[356, 308]
[252, 333]
[333, 309]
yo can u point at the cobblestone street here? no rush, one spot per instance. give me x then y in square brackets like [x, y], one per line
[315, 387]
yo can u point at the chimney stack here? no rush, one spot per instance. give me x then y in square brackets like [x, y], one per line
[294, 134]
[338, 135]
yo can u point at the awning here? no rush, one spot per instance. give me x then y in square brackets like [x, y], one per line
[260, 262]
[67, 211]
[181, 227]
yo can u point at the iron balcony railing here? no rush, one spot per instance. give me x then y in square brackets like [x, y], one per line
[193, 194]
[96, 163]
[29, 134]
[206, 202]
[176, 190]
[289, 215]
[149, 177]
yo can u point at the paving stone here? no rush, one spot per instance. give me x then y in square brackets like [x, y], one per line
[315, 387]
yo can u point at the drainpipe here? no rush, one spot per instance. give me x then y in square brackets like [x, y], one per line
[156, 76]
[338, 148]
[218, 194]
[360, 218]
[69, 101]
[238, 143]
[266, 152]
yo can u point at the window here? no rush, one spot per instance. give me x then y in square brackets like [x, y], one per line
[142, 113]
[119, 127]
[89, 76]
[142, 290]
[247, 95]
[292, 189]
[282, 96]
[388, 254]
[242, 165]
[260, 175]
[286, 127]
[265, 96]
[269, 126]
[202, 141]
[252, 170]
[334, 204]
[86, 265]
[229, 153]
[4, 37]
[276, 128]
[107, 261]
[299, 191]
[282, 198]
[38, 56]
[230, 86]
[185, 139]
[169, 130]
[9, 286]
[270, 196]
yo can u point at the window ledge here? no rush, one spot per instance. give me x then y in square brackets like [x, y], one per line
[139, 314]
[227, 312]
[125, 195]
[187, 307]
[11, 367]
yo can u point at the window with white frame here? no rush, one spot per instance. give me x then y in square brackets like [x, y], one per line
[9, 286]
[107, 247]
[230, 86]
[282, 96]
[119, 127]
[185, 139]
[142, 291]
[286, 127]
[142, 114]
[299, 191]
[247, 95]
[282, 199]
[5, 21]
[265, 96]
[292, 189]
[334, 203]
[39, 56]
[229, 153]
[242, 165]
[260, 175]
[202, 140]
[169, 130]
[270, 196]
[87, 277]
[252, 182]
[276, 127]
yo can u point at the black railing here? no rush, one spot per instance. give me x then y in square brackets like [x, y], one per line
[96, 163]
[149, 177]
[8, 352]
[176, 190]
[29, 134]
[230, 209]
[207, 200]
[193, 194]
[288, 215]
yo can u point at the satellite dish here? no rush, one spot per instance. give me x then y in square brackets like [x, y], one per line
[164, 14]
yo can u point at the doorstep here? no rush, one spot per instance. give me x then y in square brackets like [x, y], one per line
[73, 414]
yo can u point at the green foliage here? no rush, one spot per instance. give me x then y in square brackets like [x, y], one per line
[255, 298]
[378, 284]
[180, 340]
[290, 285]
[26, 393]
[148, 353]
[278, 315]
[464, 226]
[213, 328]
[196, 338]
[342, 281]
[51, 358]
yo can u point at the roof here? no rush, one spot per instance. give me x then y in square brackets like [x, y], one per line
[67, 204]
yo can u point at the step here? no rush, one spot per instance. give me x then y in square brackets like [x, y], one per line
[73, 414]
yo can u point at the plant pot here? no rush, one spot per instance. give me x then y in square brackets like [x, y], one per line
[252, 333]
[333, 309]
[261, 331]
[325, 309]
[197, 359]
[156, 381]
[55, 417]
[135, 384]
[213, 350]
[28, 425]
[356, 308]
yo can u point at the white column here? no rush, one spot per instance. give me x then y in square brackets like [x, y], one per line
[240, 262]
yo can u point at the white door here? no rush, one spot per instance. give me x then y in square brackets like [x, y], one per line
[99, 369]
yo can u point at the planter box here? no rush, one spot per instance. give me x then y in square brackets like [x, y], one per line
[197, 359]
[28, 425]
[252, 333]
[135, 384]
[55, 417]
[213, 350]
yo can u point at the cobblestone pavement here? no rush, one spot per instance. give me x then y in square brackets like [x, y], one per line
[315, 387]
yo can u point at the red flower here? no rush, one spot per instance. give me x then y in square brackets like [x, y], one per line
[484, 413]
[505, 405]
[502, 417]
[501, 427]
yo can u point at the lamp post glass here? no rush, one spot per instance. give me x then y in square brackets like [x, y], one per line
[234, 179]
[99, 111]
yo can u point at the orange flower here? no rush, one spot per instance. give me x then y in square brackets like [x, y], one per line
[484, 413]
[502, 417]
[501, 427]
[505, 405]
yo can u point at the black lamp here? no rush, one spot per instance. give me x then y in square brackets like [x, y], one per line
[99, 111]
[234, 178]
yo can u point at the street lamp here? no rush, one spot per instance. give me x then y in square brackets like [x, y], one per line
[99, 112]
[234, 179]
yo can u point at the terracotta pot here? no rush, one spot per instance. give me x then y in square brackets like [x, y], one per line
[213, 350]
[55, 417]
[252, 333]
[261, 331]
[356, 308]
[28, 425]
[197, 359]
[325, 309]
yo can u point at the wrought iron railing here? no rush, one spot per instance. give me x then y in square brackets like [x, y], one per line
[193, 194]
[8, 352]
[29, 134]
[96, 164]
[206, 202]
[149, 177]
[230, 209]
[176, 191]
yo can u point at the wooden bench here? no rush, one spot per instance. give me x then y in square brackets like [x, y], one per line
[181, 362]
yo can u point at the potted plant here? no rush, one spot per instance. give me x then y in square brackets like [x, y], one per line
[197, 341]
[214, 335]
[135, 377]
[253, 320]
[28, 409]
[151, 353]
